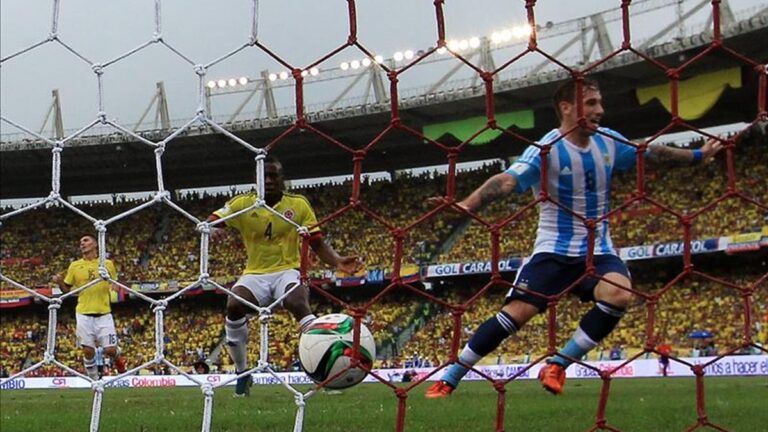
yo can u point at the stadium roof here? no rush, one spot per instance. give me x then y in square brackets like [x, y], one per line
[200, 158]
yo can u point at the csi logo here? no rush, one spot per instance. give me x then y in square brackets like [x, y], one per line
[213, 379]
[60, 382]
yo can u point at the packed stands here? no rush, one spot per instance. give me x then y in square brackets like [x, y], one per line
[192, 330]
[398, 202]
[194, 327]
[40, 243]
[159, 244]
[684, 189]
[688, 306]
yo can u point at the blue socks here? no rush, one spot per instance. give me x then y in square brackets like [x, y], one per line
[487, 338]
[572, 349]
[594, 326]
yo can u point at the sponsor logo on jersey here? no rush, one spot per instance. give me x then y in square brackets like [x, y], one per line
[518, 168]
[289, 214]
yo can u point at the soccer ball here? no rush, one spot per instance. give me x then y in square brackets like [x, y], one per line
[325, 349]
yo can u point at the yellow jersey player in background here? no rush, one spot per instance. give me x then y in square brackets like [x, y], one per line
[272, 246]
[95, 326]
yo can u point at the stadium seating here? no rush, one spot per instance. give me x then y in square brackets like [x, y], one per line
[192, 330]
[684, 189]
[158, 244]
[685, 307]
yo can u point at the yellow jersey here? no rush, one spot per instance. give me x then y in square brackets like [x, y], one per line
[95, 298]
[271, 243]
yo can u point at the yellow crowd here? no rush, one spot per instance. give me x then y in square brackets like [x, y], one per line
[191, 332]
[159, 244]
[193, 328]
[685, 190]
[685, 307]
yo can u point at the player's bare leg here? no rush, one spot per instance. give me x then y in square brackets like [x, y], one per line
[236, 329]
[613, 294]
[89, 361]
[114, 352]
[297, 303]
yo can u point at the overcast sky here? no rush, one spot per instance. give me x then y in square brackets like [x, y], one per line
[298, 31]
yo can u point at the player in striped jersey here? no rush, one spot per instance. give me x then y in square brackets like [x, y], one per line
[272, 246]
[580, 164]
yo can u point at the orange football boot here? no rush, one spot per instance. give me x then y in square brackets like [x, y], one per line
[552, 377]
[439, 389]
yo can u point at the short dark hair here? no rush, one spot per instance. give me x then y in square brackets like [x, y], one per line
[567, 93]
[273, 160]
[96, 239]
[267, 160]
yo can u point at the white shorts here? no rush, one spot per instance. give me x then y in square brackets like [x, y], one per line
[268, 287]
[96, 331]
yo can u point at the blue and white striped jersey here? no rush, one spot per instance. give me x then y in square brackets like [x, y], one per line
[578, 179]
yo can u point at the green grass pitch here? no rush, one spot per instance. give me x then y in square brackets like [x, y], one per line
[652, 404]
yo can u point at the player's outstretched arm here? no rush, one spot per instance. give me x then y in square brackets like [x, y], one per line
[494, 188]
[347, 264]
[668, 154]
[498, 186]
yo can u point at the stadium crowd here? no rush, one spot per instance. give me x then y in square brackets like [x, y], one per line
[682, 309]
[158, 244]
[191, 331]
[684, 190]
[193, 328]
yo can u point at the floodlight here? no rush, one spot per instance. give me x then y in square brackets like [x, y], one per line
[521, 31]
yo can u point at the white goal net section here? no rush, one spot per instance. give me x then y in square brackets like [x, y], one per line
[160, 197]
